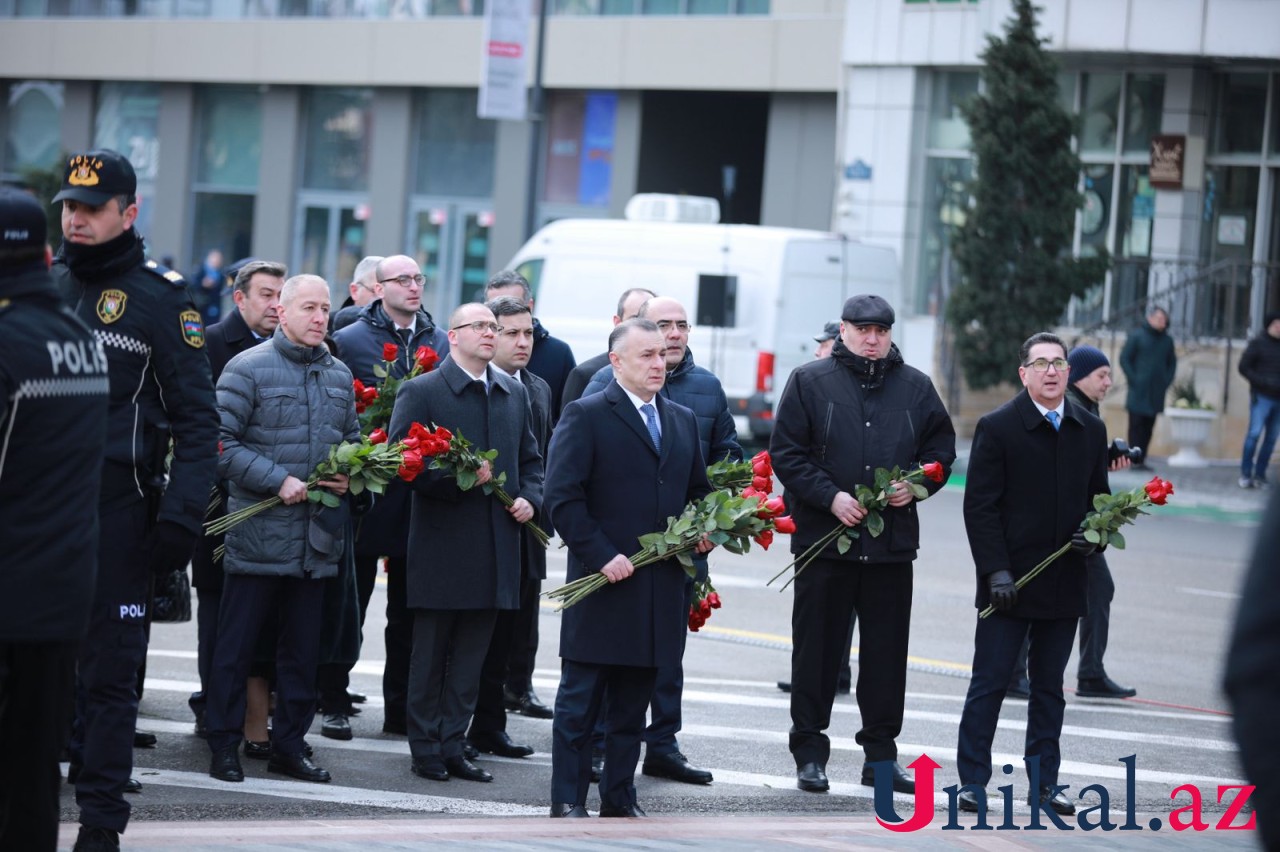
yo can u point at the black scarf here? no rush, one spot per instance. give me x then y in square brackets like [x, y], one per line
[871, 372]
[104, 260]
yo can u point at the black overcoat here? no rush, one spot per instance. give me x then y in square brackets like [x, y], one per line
[607, 486]
[540, 407]
[464, 547]
[1028, 489]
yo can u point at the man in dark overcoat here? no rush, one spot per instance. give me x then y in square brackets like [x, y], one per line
[1035, 465]
[621, 463]
[1150, 362]
[463, 563]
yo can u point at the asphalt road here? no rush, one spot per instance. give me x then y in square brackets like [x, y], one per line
[1176, 594]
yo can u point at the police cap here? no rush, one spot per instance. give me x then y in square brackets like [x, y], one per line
[95, 177]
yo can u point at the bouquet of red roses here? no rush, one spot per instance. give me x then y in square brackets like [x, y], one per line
[374, 404]
[1102, 525]
[369, 464]
[705, 599]
[756, 472]
[874, 501]
[453, 454]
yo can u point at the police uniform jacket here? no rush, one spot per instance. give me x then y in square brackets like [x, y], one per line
[153, 338]
[1028, 489]
[53, 426]
[464, 547]
[384, 529]
[838, 420]
[282, 408]
[606, 487]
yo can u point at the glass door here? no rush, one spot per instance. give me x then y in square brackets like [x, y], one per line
[450, 241]
[330, 241]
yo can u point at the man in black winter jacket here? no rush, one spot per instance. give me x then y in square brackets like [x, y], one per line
[53, 394]
[552, 359]
[838, 420]
[1260, 364]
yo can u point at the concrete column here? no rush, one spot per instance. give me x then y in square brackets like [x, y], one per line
[274, 207]
[77, 115]
[170, 226]
[626, 152]
[1176, 229]
[510, 186]
[799, 168]
[388, 181]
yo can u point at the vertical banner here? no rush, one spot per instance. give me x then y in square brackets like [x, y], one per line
[502, 77]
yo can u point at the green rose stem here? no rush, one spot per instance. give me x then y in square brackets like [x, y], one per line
[1030, 575]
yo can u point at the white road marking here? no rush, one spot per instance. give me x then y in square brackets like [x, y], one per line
[1209, 593]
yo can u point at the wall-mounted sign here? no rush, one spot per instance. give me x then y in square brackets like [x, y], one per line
[857, 170]
[1168, 154]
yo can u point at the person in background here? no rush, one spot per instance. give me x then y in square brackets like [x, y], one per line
[552, 359]
[53, 388]
[1149, 363]
[1260, 365]
[207, 286]
[364, 289]
[580, 376]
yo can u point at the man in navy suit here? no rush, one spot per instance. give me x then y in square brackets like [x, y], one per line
[621, 462]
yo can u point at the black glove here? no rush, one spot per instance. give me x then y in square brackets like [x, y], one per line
[170, 546]
[1082, 545]
[1004, 594]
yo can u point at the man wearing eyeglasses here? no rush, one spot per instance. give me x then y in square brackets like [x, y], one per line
[398, 318]
[698, 389]
[364, 288]
[463, 564]
[1035, 464]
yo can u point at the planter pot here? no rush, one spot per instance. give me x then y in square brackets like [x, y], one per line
[1189, 428]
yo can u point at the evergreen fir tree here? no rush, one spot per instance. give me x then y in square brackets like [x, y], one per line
[1014, 248]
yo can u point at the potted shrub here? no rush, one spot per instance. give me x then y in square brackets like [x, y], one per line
[1190, 421]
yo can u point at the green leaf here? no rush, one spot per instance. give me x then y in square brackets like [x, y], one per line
[883, 478]
[673, 539]
[381, 372]
[330, 499]
[466, 480]
[683, 525]
[689, 569]
[718, 537]
[1116, 540]
[685, 558]
[1093, 536]
[377, 487]
[736, 545]
[918, 491]
[874, 523]
[313, 496]
[843, 544]
[357, 486]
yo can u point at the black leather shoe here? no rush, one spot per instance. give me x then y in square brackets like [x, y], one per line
[431, 768]
[257, 751]
[73, 773]
[597, 765]
[335, 727]
[676, 767]
[902, 782]
[225, 765]
[564, 810]
[144, 739]
[530, 705]
[499, 743]
[133, 785]
[298, 766]
[356, 697]
[469, 751]
[1059, 802]
[785, 686]
[397, 727]
[622, 811]
[460, 767]
[812, 778]
[967, 801]
[94, 839]
[1103, 687]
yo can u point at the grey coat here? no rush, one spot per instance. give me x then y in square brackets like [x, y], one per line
[464, 547]
[282, 407]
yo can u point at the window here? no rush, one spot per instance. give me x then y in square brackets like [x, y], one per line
[337, 139]
[455, 148]
[1100, 103]
[127, 119]
[229, 147]
[33, 136]
[947, 127]
[1240, 102]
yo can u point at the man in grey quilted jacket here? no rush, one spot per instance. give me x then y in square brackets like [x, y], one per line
[282, 406]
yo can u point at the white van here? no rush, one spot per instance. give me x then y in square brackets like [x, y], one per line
[756, 296]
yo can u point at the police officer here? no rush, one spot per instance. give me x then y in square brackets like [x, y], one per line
[53, 391]
[153, 338]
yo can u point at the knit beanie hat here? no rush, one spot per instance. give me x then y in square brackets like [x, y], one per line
[1084, 360]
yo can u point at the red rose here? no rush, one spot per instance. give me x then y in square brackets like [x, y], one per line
[410, 442]
[764, 538]
[358, 386]
[763, 484]
[417, 430]
[443, 434]
[704, 606]
[1158, 490]
[426, 358]
[784, 525]
[750, 491]
[433, 446]
[368, 395]
[696, 619]
[378, 436]
[772, 507]
[761, 464]
[360, 406]
[934, 471]
[714, 600]
[390, 352]
[410, 465]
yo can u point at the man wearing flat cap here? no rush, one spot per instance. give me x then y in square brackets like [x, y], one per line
[150, 517]
[826, 340]
[839, 419]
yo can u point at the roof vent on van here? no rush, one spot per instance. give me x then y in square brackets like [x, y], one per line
[657, 207]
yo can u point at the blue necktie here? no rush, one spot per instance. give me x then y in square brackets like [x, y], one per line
[1052, 416]
[651, 421]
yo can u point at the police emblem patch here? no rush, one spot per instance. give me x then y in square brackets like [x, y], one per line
[192, 329]
[111, 305]
[84, 172]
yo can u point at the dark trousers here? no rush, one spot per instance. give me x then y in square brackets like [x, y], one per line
[996, 642]
[505, 646]
[397, 638]
[665, 719]
[449, 647]
[37, 694]
[1141, 426]
[107, 670]
[209, 602]
[1095, 625]
[827, 593]
[523, 657]
[579, 701]
[247, 602]
[332, 679]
